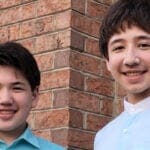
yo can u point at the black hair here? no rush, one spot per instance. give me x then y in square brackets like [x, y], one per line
[121, 14]
[15, 55]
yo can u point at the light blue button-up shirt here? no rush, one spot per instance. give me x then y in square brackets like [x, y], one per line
[28, 141]
[129, 131]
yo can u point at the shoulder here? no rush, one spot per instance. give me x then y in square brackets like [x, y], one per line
[112, 128]
[48, 145]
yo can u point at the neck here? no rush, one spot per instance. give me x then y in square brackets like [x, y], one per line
[9, 136]
[135, 98]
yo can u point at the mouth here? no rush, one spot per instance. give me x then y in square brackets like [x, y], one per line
[134, 73]
[134, 76]
[7, 114]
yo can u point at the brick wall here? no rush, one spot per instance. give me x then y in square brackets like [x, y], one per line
[77, 95]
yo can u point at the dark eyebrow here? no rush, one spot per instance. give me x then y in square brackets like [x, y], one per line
[18, 83]
[143, 37]
[116, 41]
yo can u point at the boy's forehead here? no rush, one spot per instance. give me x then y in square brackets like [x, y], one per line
[138, 33]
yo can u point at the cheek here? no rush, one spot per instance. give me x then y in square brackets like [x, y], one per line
[146, 59]
[23, 101]
[113, 64]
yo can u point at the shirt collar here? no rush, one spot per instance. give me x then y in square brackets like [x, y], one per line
[138, 107]
[29, 137]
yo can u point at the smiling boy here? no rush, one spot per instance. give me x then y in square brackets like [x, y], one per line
[125, 44]
[19, 91]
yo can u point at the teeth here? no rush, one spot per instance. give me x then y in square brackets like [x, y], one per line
[6, 112]
[133, 73]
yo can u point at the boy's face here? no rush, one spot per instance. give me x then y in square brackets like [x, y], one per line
[16, 100]
[129, 61]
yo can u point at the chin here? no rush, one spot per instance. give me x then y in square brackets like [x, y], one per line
[138, 91]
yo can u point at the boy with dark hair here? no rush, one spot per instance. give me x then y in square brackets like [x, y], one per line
[125, 44]
[19, 90]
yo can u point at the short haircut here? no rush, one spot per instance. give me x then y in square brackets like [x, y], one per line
[121, 14]
[15, 55]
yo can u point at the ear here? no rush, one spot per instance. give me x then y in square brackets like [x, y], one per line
[35, 96]
[107, 64]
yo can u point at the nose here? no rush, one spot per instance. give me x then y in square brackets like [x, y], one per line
[5, 97]
[131, 58]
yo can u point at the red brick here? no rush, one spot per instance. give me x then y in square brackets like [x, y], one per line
[27, 1]
[96, 10]
[63, 39]
[51, 119]
[51, 6]
[84, 101]
[85, 24]
[29, 43]
[53, 41]
[105, 71]
[45, 61]
[100, 86]
[4, 34]
[118, 106]
[79, 5]
[92, 47]
[57, 79]
[77, 41]
[120, 93]
[1, 17]
[60, 136]
[28, 11]
[60, 98]
[53, 23]
[27, 29]
[9, 3]
[95, 122]
[85, 63]
[45, 24]
[76, 80]
[42, 43]
[10, 15]
[107, 106]
[81, 139]
[76, 118]
[14, 32]
[61, 59]
[45, 101]
[62, 20]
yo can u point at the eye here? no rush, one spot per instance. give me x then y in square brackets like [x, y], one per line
[18, 89]
[144, 46]
[118, 48]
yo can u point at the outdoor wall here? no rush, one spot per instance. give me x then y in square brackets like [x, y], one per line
[78, 96]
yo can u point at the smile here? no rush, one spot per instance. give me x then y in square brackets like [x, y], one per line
[134, 76]
[7, 114]
[134, 73]
[6, 111]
